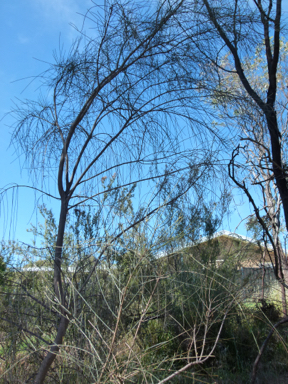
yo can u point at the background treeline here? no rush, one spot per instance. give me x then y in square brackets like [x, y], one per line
[152, 307]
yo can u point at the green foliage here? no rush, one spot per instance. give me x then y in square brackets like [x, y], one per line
[244, 331]
[140, 316]
[3, 270]
[255, 228]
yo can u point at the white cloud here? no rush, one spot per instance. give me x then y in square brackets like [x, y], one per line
[23, 39]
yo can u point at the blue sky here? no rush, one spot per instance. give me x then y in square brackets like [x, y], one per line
[30, 31]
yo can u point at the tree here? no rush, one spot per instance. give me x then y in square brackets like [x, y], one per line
[232, 34]
[238, 31]
[223, 51]
[109, 109]
[251, 167]
[232, 28]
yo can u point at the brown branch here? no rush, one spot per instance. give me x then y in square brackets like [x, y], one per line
[25, 330]
[202, 359]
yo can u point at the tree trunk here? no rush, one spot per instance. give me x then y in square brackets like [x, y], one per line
[282, 276]
[64, 321]
[277, 165]
[50, 357]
